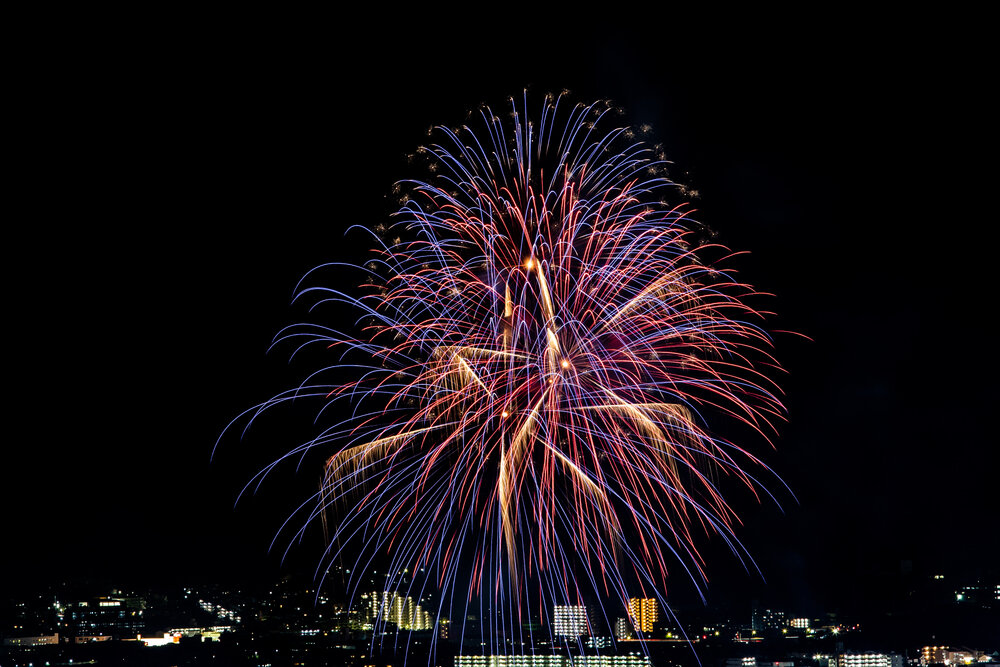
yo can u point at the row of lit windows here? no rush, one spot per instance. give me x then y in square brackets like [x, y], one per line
[866, 660]
[552, 661]
[569, 620]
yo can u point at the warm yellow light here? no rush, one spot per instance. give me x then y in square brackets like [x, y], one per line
[530, 264]
[504, 414]
[565, 364]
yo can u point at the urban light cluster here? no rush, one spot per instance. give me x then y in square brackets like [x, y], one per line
[401, 611]
[870, 660]
[645, 612]
[552, 661]
[944, 655]
[570, 621]
[340, 629]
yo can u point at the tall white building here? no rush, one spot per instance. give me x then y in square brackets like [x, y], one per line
[570, 621]
[870, 660]
[552, 661]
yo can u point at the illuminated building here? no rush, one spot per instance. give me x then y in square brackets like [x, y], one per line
[40, 640]
[211, 633]
[978, 594]
[644, 612]
[167, 638]
[767, 619]
[391, 607]
[598, 642]
[552, 661]
[623, 629]
[870, 659]
[569, 620]
[800, 623]
[943, 655]
[103, 616]
[219, 611]
[932, 655]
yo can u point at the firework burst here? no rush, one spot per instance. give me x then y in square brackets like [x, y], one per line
[541, 346]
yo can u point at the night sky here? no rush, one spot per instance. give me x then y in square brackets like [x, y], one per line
[179, 177]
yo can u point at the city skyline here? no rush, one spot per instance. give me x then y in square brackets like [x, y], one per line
[186, 220]
[292, 622]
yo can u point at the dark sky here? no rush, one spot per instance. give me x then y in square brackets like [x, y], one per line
[182, 174]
